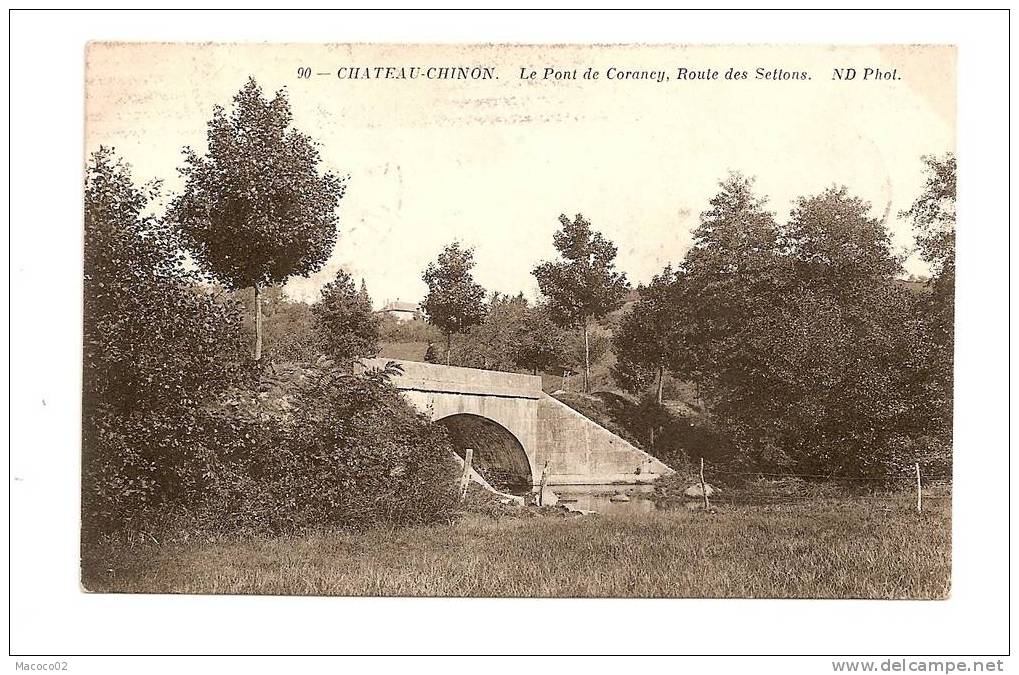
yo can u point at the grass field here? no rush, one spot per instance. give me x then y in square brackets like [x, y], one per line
[842, 549]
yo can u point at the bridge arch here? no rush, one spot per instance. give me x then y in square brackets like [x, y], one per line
[499, 456]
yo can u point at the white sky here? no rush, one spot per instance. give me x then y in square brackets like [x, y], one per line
[494, 163]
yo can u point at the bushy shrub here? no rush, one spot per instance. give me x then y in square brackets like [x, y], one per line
[299, 446]
[176, 433]
[316, 446]
[156, 345]
[313, 445]
[154, 337]
[140, 471]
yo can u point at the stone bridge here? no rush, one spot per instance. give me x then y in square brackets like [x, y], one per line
[515, 428]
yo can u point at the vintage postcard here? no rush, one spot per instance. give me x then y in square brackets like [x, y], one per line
[501, 320]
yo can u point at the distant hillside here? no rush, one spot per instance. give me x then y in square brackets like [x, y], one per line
[408, 351]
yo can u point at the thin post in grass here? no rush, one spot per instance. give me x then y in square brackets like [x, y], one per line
[704, 488]
[465, 479]
[541, 485]
[919, 497]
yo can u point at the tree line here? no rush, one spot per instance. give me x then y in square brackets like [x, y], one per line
[804, 340]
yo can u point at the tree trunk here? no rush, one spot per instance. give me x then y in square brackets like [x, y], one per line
[587, 360]
[258, 323]
[449, 346]
[661, 383]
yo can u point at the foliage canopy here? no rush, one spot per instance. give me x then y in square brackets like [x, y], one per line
[455, 302]
[347, 327]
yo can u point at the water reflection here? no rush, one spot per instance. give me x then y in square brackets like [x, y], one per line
[599, 498]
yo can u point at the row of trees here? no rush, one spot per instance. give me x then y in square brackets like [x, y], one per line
[810, 349]
[516, 335]
[578, 289]
[803, 339]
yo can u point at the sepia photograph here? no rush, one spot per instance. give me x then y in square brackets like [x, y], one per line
[366, 340]
[492, 320]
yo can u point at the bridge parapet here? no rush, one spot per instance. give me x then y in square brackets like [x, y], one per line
[430, 377]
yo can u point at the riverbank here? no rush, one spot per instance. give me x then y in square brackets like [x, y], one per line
[841, 549]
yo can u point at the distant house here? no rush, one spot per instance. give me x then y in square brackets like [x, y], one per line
[914, 283]
[401, 311]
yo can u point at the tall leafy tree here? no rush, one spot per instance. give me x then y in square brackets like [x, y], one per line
[933, 217]
[584, 285]
[736, 237]
[256, 209]
[651, 339]
[542, 344]
[153, 351]
[734, 278]
[848, 386]
[455, 302]
[837, 246]
[804, 335]
[347, 327]
[490, 344]
[153, 337]
[732, 273]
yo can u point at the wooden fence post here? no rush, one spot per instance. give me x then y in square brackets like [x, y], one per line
[704, 488]
[541, 485]
[919, 498]
[465, 479]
